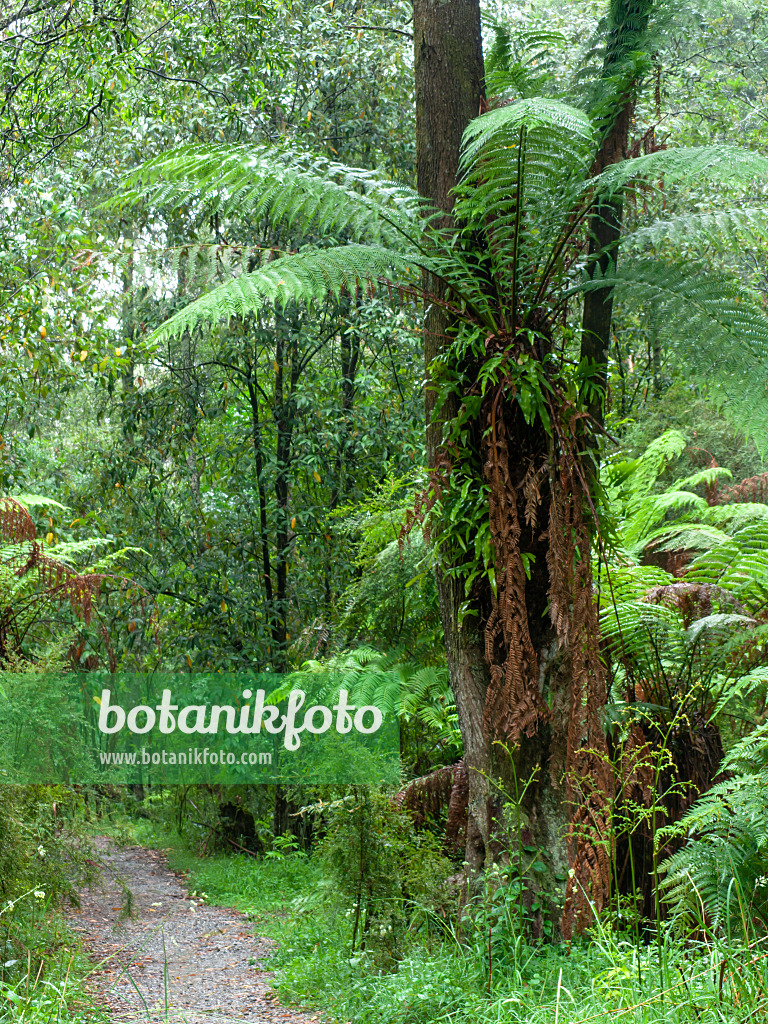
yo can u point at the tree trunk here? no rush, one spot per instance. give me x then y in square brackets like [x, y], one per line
[449, 90]
[520, 694]
[629, 24]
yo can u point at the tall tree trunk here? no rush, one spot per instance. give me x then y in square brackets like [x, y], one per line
[449, 90]
[129, 336]
[629, 23]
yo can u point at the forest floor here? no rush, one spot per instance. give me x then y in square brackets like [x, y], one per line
[161, 955]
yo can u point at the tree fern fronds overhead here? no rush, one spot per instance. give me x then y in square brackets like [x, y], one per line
[718, 326]
[306, 276]
[274, 185]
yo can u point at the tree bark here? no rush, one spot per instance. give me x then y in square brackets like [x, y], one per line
[628, 27]
[448, 64]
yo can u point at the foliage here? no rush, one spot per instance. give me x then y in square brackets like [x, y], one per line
[718, 878]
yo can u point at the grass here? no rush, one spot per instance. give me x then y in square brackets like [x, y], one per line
[426, 974]
[44, 969]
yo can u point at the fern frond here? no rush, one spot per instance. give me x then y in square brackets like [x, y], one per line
[724, 864]
[720, 164]
[519, 62]
[490, 134]
[629, 582]
[731, 227]
[274, 186]
[307, 276]
[684, 537]
[739, 565]
[717, 326]
[40, 501]
[739, 515]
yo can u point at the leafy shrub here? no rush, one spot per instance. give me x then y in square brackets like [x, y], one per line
[386, 877]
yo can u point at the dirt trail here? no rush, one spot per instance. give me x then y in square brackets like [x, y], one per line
[172, 961]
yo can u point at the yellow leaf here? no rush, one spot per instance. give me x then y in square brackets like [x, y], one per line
[117, 351]
[223, 606]
[83, 355]
[316, 475]
[49, 538]
[293, 523]
[274, 363]
[189, 661]
[98, 700]
[43, 332]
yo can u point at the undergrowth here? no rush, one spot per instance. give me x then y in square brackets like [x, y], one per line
[484, 972]
[45, 855]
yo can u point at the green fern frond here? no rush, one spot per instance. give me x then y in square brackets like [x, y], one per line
[491, 135]
[724, 865]
[739, 565]
[704, 478]
[308, 276]
[274, 186]
[731, 227]
[41, 501]
[717, 326]
[628, 582]
[637, 477]
[684, 537]
[520, 61]
[738, 515]
[720, 164]
[639, 528]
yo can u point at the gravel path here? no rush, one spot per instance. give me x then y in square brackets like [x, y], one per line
[172, 960]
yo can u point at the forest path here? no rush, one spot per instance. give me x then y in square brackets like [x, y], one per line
[172, 960]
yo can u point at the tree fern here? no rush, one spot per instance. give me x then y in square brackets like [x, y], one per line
[266, 184]
[723, 867]
[526, 188]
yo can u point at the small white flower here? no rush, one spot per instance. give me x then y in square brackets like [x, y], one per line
[41, 850]
[39, 894]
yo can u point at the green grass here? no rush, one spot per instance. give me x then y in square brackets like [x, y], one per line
[426, 974]
[43, 969]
